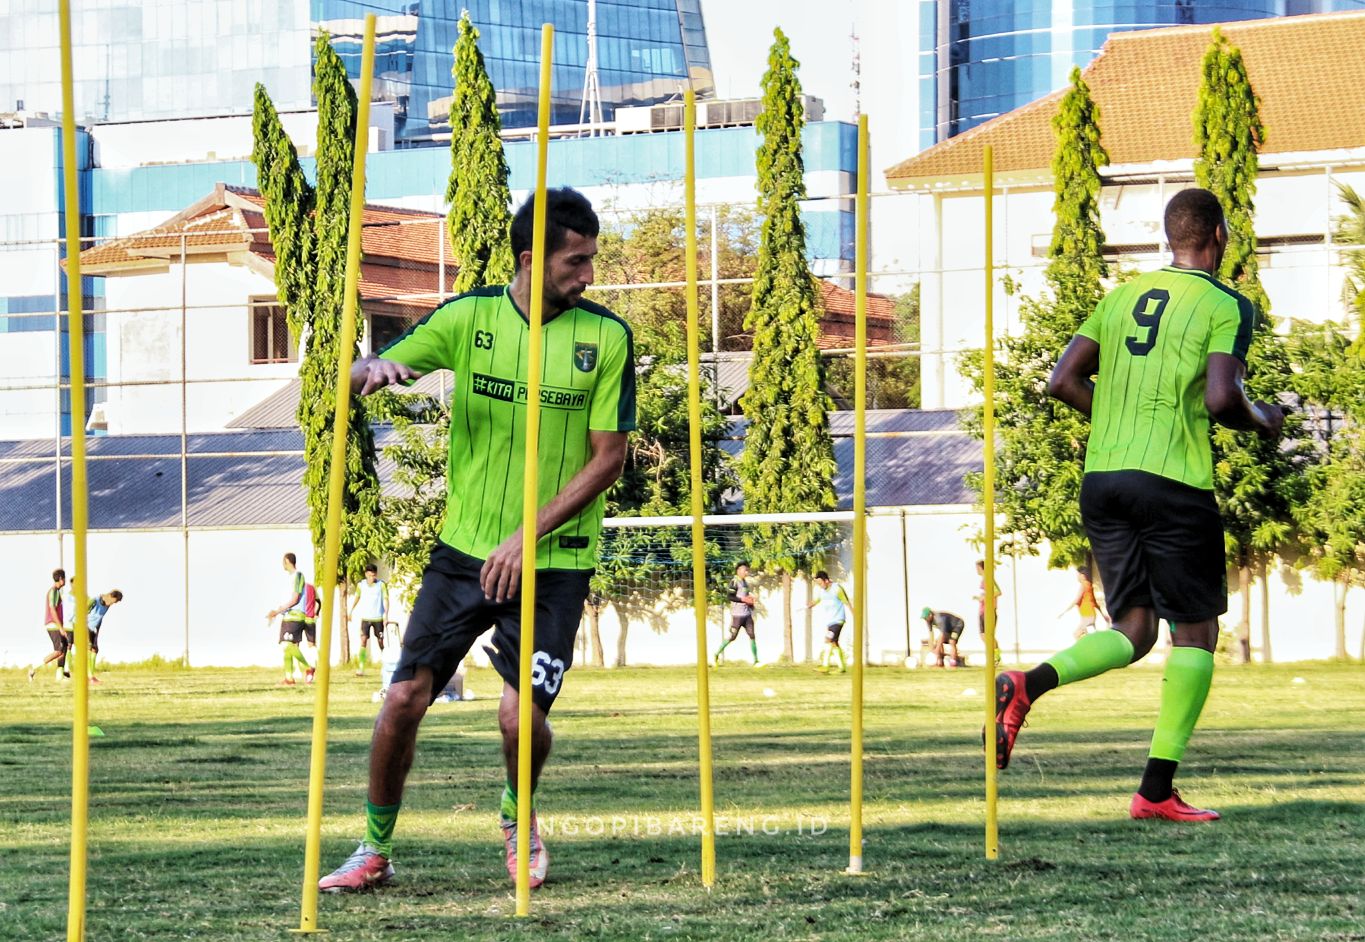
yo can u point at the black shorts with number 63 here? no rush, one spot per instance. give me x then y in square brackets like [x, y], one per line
[451, 612]
[1159, 544]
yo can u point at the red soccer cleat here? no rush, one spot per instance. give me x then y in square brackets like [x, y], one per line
[1011, 706]
[1172, 809]
[540, 861]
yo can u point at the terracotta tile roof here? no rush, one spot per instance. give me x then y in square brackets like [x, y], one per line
[837, 327]
[400, 246]
[1305, 69]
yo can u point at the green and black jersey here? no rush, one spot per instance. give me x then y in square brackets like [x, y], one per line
[1155, 335]
[587, 385]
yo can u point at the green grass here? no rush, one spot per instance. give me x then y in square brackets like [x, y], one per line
[199, 792]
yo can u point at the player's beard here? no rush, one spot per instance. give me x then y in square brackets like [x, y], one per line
[561, 301]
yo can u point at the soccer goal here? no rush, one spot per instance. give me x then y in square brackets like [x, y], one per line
[640, 608]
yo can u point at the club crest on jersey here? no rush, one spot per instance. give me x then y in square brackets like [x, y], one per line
[585, 356]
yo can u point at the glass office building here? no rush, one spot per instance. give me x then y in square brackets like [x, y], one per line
[982, 58]
[647, 51]
[139, 60]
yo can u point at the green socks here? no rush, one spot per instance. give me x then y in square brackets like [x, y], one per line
[379, 822]
[363, 658]
[1091, 656]
[1185, 686]
[843, 662]
[753, 646]
[508, 809]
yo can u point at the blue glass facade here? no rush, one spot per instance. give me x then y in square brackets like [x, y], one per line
[981, 58]
[647, 50]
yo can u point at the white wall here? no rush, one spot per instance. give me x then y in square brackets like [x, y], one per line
[235, 577]
[145, 345]
[1302, 281]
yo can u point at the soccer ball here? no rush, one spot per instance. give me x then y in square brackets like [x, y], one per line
[911, 663]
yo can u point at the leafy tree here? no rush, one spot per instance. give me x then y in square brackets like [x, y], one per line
[642, 573]
[308, 228]
[478, 195]
[1258, 483]
[1041, 455]
[1329, 362]
[788, 461]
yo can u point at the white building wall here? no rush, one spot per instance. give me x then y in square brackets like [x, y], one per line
[144, 344]
[235, 577]
[1303, 281]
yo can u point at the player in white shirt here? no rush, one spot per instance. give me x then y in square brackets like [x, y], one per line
[831, 604]
[372, 598]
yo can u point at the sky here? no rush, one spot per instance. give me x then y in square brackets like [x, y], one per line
[739, 33]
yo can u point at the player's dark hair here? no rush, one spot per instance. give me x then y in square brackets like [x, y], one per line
[371, 567]
[116, 595]
[291, 559]
[58, 574]
[1192, 219]
[1084, 570]
[981, 563]
[822, 575]
[742, 562]
[565, 209]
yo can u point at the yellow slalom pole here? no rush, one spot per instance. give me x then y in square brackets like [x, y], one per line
[988, 488]
[80, 689]
[860, 224]
[699, 595]
[336, 490]
[530, 503]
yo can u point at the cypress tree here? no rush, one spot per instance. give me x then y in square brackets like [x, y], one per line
[1041, 453]
[479, 216]
[308, 229]
[788, 461]
[1258, 483]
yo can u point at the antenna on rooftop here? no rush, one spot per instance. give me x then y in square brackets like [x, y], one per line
[590, 111]
[857, 83]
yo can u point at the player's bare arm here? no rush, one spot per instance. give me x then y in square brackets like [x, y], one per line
[1071, 380]
[502, 570]
[1228, 404]
[373, 373]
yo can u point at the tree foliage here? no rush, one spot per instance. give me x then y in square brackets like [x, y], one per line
[644, 573]
[1258, 483]
[1228, 135]
[1040, 457]
[788, 461]
[308, 229]
[478, 194]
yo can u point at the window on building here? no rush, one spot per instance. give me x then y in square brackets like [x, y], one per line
[270, 340]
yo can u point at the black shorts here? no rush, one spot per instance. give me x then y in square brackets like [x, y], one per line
[95, 642]
[368, 625]
[310, 631]
[1159, 544]
[59, 642]
[952, 631]
[451, 612]
[291, 632]
[832, 632]
[745, 622]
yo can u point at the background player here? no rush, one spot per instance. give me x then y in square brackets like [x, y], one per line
[94, 618]
[831, 604]
[1170, 351]
[293, 622]
[945, 629]
[1085, 603]
[372, 598]
[742, 601]
[472, 579]
[56, 627]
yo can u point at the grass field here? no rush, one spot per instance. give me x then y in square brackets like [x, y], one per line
[198, 797]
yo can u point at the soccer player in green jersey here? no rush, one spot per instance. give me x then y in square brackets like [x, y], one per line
[588, 407]
[1168, 351]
